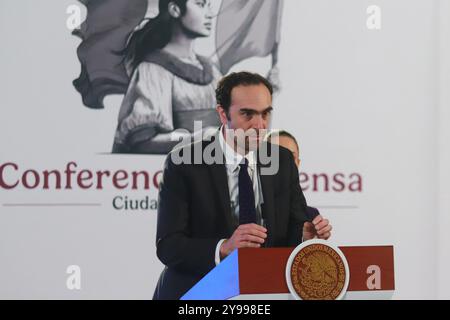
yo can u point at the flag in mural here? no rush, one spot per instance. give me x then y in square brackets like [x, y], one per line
[247, 28]
[104, 33]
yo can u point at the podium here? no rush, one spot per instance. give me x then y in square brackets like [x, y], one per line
[260, 274]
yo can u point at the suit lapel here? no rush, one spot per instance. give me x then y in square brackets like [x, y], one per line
[268, 189]
[268, 207]
[220, 179]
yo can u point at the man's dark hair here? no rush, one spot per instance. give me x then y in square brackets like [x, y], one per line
[233, 80]
[282, 133]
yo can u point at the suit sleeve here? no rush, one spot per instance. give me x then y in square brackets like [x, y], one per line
[174, 245]
[298, 214]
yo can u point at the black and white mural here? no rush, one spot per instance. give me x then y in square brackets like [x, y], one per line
[146, 50]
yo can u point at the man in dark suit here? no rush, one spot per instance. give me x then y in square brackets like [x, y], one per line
[207, 210]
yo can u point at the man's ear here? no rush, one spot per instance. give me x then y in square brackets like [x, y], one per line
[174, 10]
[222, 115]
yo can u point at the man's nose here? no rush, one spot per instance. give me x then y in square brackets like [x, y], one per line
[259, 122]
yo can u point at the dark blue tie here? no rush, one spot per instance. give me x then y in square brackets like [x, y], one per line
[247, 210]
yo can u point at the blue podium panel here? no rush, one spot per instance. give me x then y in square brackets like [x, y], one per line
[221, 283]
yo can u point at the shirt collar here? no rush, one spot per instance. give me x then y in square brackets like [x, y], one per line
[232, 158]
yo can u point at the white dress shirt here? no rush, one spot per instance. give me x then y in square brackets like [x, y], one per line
[232, 161]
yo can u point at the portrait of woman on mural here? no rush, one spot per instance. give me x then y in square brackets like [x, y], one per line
[171, 86]
[167, 85]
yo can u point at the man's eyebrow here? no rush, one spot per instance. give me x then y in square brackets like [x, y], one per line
[269, 109]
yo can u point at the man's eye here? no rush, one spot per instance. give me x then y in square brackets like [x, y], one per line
[266, 114]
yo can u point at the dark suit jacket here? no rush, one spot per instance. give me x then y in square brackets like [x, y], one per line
[194, 214]
[311, 213]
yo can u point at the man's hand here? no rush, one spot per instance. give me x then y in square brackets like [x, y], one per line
[245, 236]
[320, 228]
